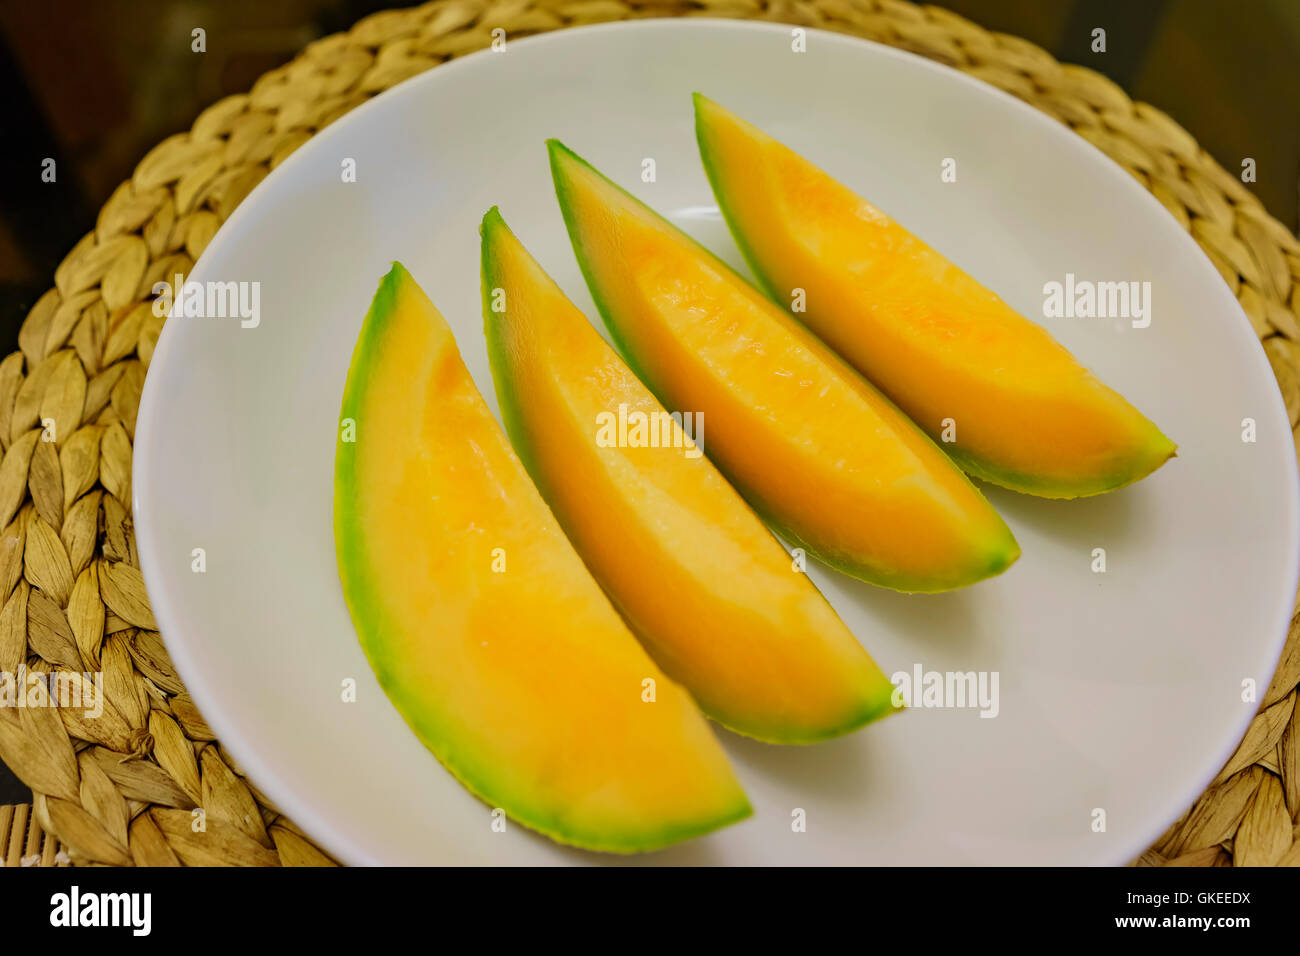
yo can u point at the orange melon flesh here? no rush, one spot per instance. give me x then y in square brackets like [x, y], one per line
[711, 593]
[817, 451]
[523, 681]
[1027, 415]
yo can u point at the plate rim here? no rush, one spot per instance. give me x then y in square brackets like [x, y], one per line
[302, 810]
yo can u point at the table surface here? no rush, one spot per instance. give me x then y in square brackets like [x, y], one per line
[123, 77]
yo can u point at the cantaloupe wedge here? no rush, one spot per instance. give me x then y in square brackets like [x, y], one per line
[482, 624]
[1023, 412]
[713, 596]
[817, 451]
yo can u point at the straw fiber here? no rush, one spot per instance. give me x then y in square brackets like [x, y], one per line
[122, 789]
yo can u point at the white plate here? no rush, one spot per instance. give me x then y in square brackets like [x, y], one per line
[1119, 691]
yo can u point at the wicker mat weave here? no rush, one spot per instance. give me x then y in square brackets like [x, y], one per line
[120, 790]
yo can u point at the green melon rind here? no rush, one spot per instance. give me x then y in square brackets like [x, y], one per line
[876, 703]
[1152, 453]
[875, 706]
[716, 183]
[999, 555]
[362, 595]
[516, 427]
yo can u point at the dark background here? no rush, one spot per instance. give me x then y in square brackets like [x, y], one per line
[96, 83]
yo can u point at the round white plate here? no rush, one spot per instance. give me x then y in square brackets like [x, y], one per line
[1120, 693]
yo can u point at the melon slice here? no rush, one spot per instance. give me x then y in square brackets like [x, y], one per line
[1023, 412]
[817, 451]
[715, 599]
[481, 622]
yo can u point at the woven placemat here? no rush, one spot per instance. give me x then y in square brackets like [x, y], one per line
[123, 789]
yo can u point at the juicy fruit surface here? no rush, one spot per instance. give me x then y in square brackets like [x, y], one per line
[1028, 416]
[819, 453]
[712, 595]
[524, 681]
